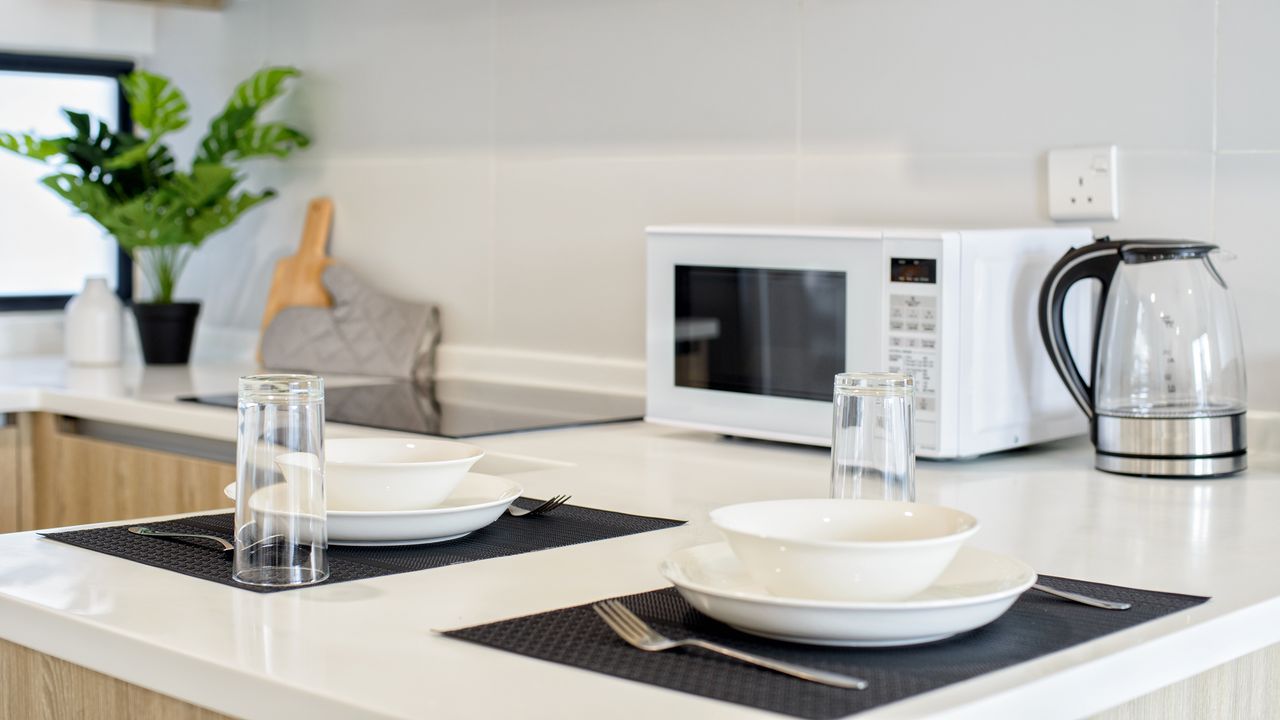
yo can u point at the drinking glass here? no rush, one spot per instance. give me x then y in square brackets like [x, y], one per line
[873, 454]
[281, 538]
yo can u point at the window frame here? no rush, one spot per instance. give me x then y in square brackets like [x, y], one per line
[57, 65]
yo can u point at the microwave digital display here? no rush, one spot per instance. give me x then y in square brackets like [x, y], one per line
[760, 331]
[913, 270]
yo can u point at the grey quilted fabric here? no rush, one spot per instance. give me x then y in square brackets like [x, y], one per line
[365, 333]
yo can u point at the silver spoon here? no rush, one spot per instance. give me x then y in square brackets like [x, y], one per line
[1083, 599]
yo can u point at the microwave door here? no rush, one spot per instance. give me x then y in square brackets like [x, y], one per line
[773, 332]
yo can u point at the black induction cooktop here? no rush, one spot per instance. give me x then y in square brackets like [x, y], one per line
[463, 408]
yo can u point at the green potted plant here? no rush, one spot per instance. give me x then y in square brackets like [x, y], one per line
[131, 185]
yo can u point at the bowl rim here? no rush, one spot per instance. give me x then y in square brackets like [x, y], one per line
[958, 536]
[475, 453]
[514, 491]
[672, 570]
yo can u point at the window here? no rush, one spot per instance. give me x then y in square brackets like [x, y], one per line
[47, 249]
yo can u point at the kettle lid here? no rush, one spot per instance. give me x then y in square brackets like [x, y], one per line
[1143, 251]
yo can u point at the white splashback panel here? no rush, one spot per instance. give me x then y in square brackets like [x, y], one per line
[545, 136]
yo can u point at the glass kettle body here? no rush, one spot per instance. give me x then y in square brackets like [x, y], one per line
[1167, 395]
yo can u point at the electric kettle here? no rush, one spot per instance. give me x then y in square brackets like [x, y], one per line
[1167, 393]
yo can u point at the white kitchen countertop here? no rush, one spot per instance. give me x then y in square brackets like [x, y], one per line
[367, 648]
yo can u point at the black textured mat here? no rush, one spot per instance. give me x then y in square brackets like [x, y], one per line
[567, 525]
[1036, 625]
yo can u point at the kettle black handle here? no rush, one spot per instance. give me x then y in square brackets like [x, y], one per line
[1099, 261]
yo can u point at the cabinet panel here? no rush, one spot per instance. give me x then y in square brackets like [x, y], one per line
[9, 479]
[42, 687]
[81, 479]
[1247, 687]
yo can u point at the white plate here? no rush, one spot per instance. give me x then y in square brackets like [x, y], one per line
[477, 501]
[978, 587]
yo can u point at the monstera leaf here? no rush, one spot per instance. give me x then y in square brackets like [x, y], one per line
[157, 107]
[153, 219]
[235, 133]
[36, 148]
[90, 198]
[204, 185]
[155, 104]
[276, 139]
[226, 211]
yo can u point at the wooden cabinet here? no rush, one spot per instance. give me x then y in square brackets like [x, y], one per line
[14, 473]
[51, 476]
[42, 687]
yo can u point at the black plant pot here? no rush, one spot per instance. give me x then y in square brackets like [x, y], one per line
[166, 331]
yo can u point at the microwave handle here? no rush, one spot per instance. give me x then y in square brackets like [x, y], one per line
[1099, 261]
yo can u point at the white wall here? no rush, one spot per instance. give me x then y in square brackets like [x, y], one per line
[92, 27]
[501, 157]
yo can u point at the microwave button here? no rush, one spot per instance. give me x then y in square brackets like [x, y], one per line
[912, 342]
[925, 404]
[895, 312]
[928, 314]
[928, 343]
[913, 314]
[928, 327]
[895, 325]
[913, 326]
[895, 341]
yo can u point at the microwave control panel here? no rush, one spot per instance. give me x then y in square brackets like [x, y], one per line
[913, 338]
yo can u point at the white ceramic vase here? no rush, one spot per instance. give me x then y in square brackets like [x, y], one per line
[94, 325]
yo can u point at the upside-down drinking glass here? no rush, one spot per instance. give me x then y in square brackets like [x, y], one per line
[280, 532]
[872, 437]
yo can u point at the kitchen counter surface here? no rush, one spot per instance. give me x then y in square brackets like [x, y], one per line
[368, 648]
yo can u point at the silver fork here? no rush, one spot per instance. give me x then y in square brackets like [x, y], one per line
[1083, 599]
[639, 634]
[545, 507]
[227, 547]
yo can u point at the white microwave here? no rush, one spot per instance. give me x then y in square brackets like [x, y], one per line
[747, 327]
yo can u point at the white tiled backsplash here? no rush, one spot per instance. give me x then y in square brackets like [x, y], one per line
[502, 157]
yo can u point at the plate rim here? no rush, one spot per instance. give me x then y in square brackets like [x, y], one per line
[845, 643]
[513, 492]
[668, 564]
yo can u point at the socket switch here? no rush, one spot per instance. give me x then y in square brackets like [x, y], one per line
[1082, 184]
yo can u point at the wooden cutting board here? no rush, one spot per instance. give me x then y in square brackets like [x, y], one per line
[298, 278]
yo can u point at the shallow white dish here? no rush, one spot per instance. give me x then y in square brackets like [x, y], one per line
[478, 501]
[845, 550]
[978, 587]
[394, 473]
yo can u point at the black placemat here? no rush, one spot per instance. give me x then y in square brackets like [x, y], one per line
[1036, 625]
[567, 525]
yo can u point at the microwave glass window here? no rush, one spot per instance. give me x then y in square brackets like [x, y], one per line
[759, 331]
[913, 270]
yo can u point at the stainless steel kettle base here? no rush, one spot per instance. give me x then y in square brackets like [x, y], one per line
[1201, 467]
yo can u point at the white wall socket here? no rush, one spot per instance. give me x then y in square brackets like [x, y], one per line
[1082, 184]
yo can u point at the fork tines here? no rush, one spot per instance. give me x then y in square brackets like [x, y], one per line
[550, 505]
[622, 621]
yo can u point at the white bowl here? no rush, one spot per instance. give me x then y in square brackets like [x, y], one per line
[394, 473]
[822, 549]
[478, 501]
[975, 589]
